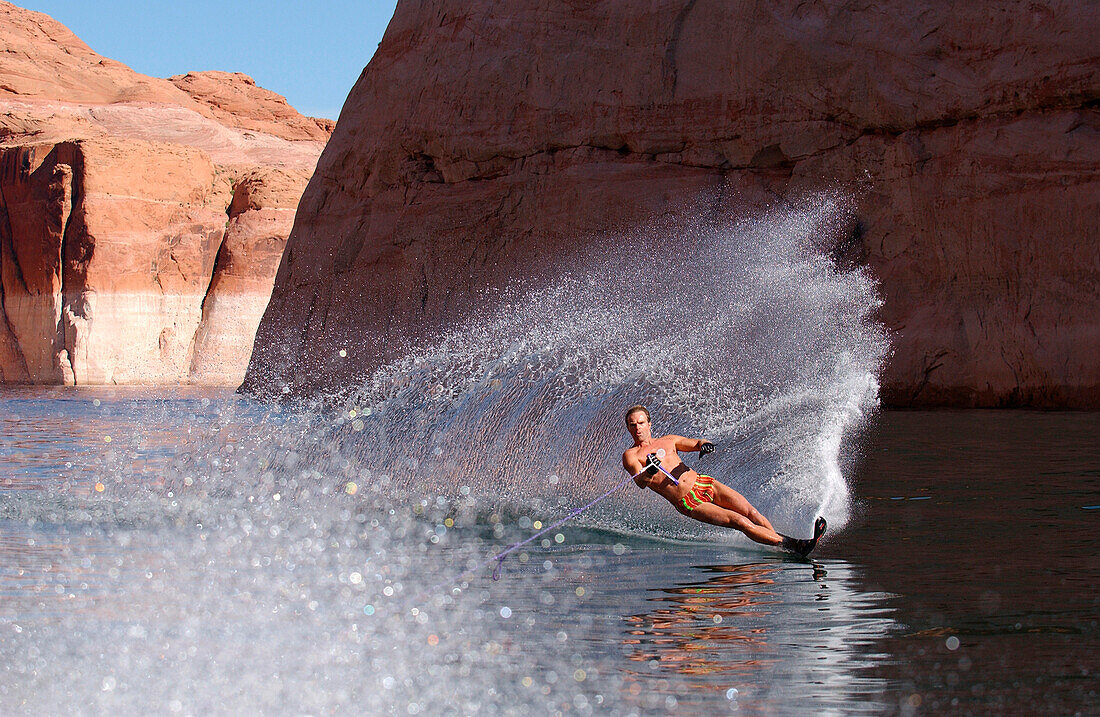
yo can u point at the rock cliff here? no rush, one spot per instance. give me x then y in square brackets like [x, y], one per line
[141, 219]
[481, 140]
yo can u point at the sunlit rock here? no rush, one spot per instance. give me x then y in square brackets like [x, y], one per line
[487, 144]
[141, 223]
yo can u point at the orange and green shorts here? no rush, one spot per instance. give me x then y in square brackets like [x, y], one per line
[701, 492]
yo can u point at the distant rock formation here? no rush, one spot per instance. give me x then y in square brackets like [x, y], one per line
[141, 222]
[482, 140]
[236, 101]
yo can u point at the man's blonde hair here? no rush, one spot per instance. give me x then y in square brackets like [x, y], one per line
[634, 409]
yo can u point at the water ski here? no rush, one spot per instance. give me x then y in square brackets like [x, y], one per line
[804, 546]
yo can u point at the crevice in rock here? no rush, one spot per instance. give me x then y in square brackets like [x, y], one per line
[674, 43]
[424, 290]
[19, 156]
[76, 253]
[221, 261]
[60, 205]
[1076, 101]
[7, 335]
[851, 251]
[931, 363]
[179, 268]
[7, 252]
[1014, 399]
[303, 338]
[347, 252]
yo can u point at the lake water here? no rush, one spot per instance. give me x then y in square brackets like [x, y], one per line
[165, 552]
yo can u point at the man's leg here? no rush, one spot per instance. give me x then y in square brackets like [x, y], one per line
[717, 515]
[728, 498]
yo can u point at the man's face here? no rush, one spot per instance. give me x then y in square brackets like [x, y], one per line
[638, 425]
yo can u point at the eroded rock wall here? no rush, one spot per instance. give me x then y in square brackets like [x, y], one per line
[141, 223]
[260, 216]
[488, 142]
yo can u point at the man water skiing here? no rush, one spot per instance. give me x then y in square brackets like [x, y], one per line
[655, 464]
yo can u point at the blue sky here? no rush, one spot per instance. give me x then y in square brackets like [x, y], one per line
[312, 53]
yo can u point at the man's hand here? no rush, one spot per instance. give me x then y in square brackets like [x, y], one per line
[706, 448]
[652, 464]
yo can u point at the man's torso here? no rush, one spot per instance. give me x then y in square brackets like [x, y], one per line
[661, 483]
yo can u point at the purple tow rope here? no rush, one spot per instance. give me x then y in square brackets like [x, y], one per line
[499, 557]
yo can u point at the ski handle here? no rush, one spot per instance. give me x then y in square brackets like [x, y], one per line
[651, 462]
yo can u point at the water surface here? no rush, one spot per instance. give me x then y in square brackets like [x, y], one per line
[963, 583]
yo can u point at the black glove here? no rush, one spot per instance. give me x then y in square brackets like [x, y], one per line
[652, 464]
[706, 448]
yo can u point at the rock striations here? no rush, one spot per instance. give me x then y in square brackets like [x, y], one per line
[482, 140]
[141, 220]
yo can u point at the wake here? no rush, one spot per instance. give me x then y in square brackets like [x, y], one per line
[748, 334]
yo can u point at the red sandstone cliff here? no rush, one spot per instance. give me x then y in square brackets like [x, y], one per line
[141, 219]
[482, 139]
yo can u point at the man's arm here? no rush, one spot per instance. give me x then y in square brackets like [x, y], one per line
[693, 444]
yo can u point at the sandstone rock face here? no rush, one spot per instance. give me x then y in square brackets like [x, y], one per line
[260, 215]
[236, 101]
[140, 224]
[482, 141]
[43, 59]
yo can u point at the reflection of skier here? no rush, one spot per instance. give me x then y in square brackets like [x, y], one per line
[655, 464]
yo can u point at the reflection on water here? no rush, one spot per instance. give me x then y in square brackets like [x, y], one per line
[693, 629]
[764, 636]
[69, 440]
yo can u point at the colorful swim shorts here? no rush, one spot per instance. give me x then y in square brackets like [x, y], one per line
[701, 492]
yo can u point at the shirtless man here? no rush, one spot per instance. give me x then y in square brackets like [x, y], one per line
[655, 464]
